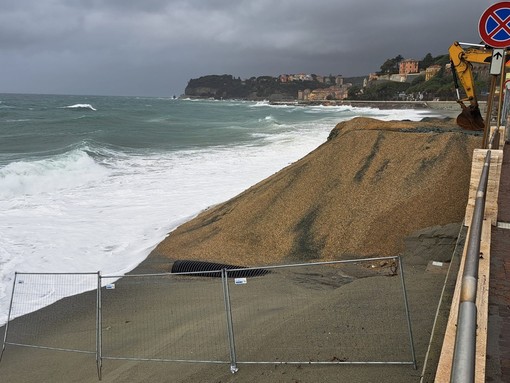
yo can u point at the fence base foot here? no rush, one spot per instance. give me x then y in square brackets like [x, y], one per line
[233, 369]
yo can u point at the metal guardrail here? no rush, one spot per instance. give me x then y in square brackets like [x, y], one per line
[463, 368]
[464, 354]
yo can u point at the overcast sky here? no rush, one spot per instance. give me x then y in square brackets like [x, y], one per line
[153, 47]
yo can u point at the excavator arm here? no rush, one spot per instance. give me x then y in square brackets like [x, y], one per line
[462, 69]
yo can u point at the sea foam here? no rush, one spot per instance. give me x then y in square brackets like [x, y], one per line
[84, 212]
[102, 208]
[81, 107]
[66, 171]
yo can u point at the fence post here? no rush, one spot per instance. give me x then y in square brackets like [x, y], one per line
[408, 316]
[99, 328]
[230, 327]
[8, 315]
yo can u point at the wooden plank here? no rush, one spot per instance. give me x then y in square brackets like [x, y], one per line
[502, 134]
[443, 372]
[502, 131]
[476, 171]
[444, 367]
[491, 204]
[482, 302]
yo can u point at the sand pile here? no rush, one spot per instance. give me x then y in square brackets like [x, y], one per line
[361, 193]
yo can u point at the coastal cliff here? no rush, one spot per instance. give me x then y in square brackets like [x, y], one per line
[371, 184]
[254, 88]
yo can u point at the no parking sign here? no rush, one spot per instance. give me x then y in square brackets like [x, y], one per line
[494, 25]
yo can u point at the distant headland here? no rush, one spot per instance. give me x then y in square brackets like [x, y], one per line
[281, 88]
[399, 79]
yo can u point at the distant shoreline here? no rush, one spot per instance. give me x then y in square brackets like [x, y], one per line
[445, 108]
[435, 105]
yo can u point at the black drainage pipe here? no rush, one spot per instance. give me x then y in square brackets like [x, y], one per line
[185, 266]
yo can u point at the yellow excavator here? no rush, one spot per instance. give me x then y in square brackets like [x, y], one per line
[462, 69]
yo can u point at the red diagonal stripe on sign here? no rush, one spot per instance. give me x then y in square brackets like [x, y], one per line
[502, 25]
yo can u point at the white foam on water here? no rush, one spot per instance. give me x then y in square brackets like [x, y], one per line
[81, 106]
[49, 175]
[94, 209]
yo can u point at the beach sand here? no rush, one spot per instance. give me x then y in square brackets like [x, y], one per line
[419, 174]
[359, 194]
[69, 322]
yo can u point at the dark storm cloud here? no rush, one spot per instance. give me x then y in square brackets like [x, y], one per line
[152, 47]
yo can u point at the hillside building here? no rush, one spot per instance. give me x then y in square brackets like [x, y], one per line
[431, 71]
[335, 92]
[408, 66]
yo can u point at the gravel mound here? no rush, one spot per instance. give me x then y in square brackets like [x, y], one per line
[371, 184]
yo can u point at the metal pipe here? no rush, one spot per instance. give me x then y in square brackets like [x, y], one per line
[51, 348]
[455, 80]
[488, 112]
[463, 370]
[465, 339]
[8, 316]
[472, 45]
[494, 142]
[506, 100]
[408, 316]
[61, 273]
[501, 86]
[99, 328]
[230, 326]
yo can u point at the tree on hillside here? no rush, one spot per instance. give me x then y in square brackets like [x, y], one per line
[354, 92]
[427, 61]
[439, 86]
[390, 66]
[383, 91]
[442, 60]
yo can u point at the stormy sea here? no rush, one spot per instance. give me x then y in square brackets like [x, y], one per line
[94, 183]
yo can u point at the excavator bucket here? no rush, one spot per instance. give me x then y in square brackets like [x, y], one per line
[470, 118]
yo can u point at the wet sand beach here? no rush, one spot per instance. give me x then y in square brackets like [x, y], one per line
[372, 189]
[69, 322]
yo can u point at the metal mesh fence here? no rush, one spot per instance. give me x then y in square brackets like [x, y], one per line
[51, 291]
[309, 313]
[319, 314]
[169, 317]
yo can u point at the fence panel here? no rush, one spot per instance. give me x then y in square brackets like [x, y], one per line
[324, 313]
[335, 312]
[178, 318]
[50, 326]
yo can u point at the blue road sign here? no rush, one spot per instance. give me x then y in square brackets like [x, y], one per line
[494, 25]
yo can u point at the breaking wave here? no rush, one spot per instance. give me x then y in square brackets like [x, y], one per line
[69, 170]
[80, 107]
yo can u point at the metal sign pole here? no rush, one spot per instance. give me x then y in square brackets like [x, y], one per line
[501, 85]
[489, 111]
[494, 29]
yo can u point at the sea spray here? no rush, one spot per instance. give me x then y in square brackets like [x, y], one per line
[98, 194]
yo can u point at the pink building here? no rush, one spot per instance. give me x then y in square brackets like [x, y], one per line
[408, 66]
